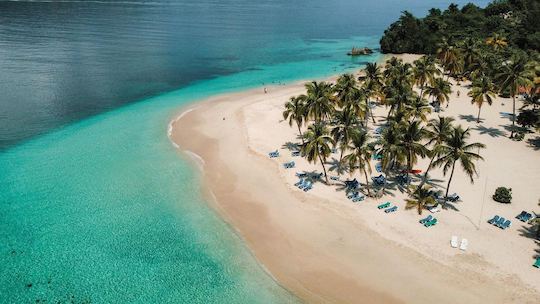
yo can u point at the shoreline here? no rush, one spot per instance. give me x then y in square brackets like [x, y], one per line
[340, 258]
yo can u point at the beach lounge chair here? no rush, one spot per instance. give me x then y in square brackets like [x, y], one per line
[358, 197]
[524, 216]
[308, 186]
[537, 263]
[385, 205]
[434, 209]
[454, 241]
[426, 219]
[453, 197]
[334, 178]
[433, 222]
[378, 167]
[295, 153]
[289, 165]
[274, 154]
[392, 209]
[494, 220]
[379, 180]
[301, 181]
[464, 244]
[377, 156]
[500, 222]
[352, 194]
[506, 224]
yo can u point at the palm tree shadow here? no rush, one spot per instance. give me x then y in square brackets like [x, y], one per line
[337, 166]
[467, 118]
[449, 205]
[528, 231]
[291, 146]
[507, 115]
[493, 132]
[534, 143]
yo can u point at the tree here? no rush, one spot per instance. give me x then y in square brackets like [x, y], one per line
[424, 70]
[483, 91]
[317, 145]
[497, 41]
[346, 90]
[295, 111]
[411, 141]
[390, 148]
[437, 132]
[440, 90]
[346, 125]
[514, 75]
[360, 156]
[418, 109]
[372, 85]
[420, 198]
[456, 149]
[319, 100]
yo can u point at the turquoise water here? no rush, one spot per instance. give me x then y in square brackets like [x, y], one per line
[105, 209]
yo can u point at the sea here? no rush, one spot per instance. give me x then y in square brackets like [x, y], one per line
[96, 204]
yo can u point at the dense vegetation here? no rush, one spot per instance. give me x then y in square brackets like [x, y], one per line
[515, 20]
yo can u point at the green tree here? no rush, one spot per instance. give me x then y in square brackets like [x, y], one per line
[413, 135]
[360, 156]
[420, 198]
[346, 125]
[424, 70]
[439, 90]
[483, 91]
[295, 111]
[317, 145]
[319, 100]
[514, 75]
[457, 149]
[437, 132]
[390, 148]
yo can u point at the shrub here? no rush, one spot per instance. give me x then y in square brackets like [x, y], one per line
[503, 195]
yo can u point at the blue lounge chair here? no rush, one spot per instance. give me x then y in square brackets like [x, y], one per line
[309, 186]
[524, 216]
[537, 263]
[453, 197]
[494, 220]
[295, 153]
[303, 184]
[301, 181]
[433, 222]
[358, 197]
[426, 219]
[289, 165]
[274, 154]
[505, 224]
[385, 205]
[500, 222]
[352, 194]
[378, 167]
[392, 209]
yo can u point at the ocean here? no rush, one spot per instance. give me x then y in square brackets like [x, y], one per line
[96, 205]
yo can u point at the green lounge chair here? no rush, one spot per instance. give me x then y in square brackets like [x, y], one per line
[385, 205]
[537, 263]
[433, 222]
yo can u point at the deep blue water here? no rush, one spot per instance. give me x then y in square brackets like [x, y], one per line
[95, 203]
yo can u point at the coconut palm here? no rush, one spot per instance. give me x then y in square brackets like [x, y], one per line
[418, 109]
[346, 90]
[398, 98]
[456, 149]
[420, 198]
[469, 51]
[412, 136]
[319, 100]
[482, 91]
[497, 41]
[360, 156]
[346, 125]
[390, 148]
[295, 111]
[437, 131]
[449, 57]
[317, 145]
[423, 71]
[440, 90]
[513, 75]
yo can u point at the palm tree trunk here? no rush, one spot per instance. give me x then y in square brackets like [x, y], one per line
[513, 115]
[300, 131]
[479, 108]
[324, 168]
[367, 182]
[450, 180]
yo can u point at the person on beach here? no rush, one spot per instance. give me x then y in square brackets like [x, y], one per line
[265, 90]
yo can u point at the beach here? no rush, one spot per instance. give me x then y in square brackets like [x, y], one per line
[326, 249]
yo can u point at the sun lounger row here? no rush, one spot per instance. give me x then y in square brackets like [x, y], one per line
[304, 184]
[273, 154]
[500, 222]
[352, 184]
[289, 165]
[524, 216]
[387, 208]
[429, 221]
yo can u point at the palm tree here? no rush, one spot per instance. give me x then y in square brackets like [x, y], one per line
[317, 145]
[514, 74]
[424, 70]
[319, 100]
[497, 41]
[360, 156]
[295, 111]
[469, 49]
[398, 98]
[346, 125]
[391, 148]
[346, 90]
[456, 149]
[449, 57]
[482, 91]
[372, 85]
[413, 135]
[418, 109]
[440, 90]
[437, 132]
[420, 198]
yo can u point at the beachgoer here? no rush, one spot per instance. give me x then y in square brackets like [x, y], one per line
[265, 91]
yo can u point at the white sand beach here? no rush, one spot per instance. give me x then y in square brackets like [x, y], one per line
[327, 249]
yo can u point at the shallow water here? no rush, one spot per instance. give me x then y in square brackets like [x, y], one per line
[102, 209]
